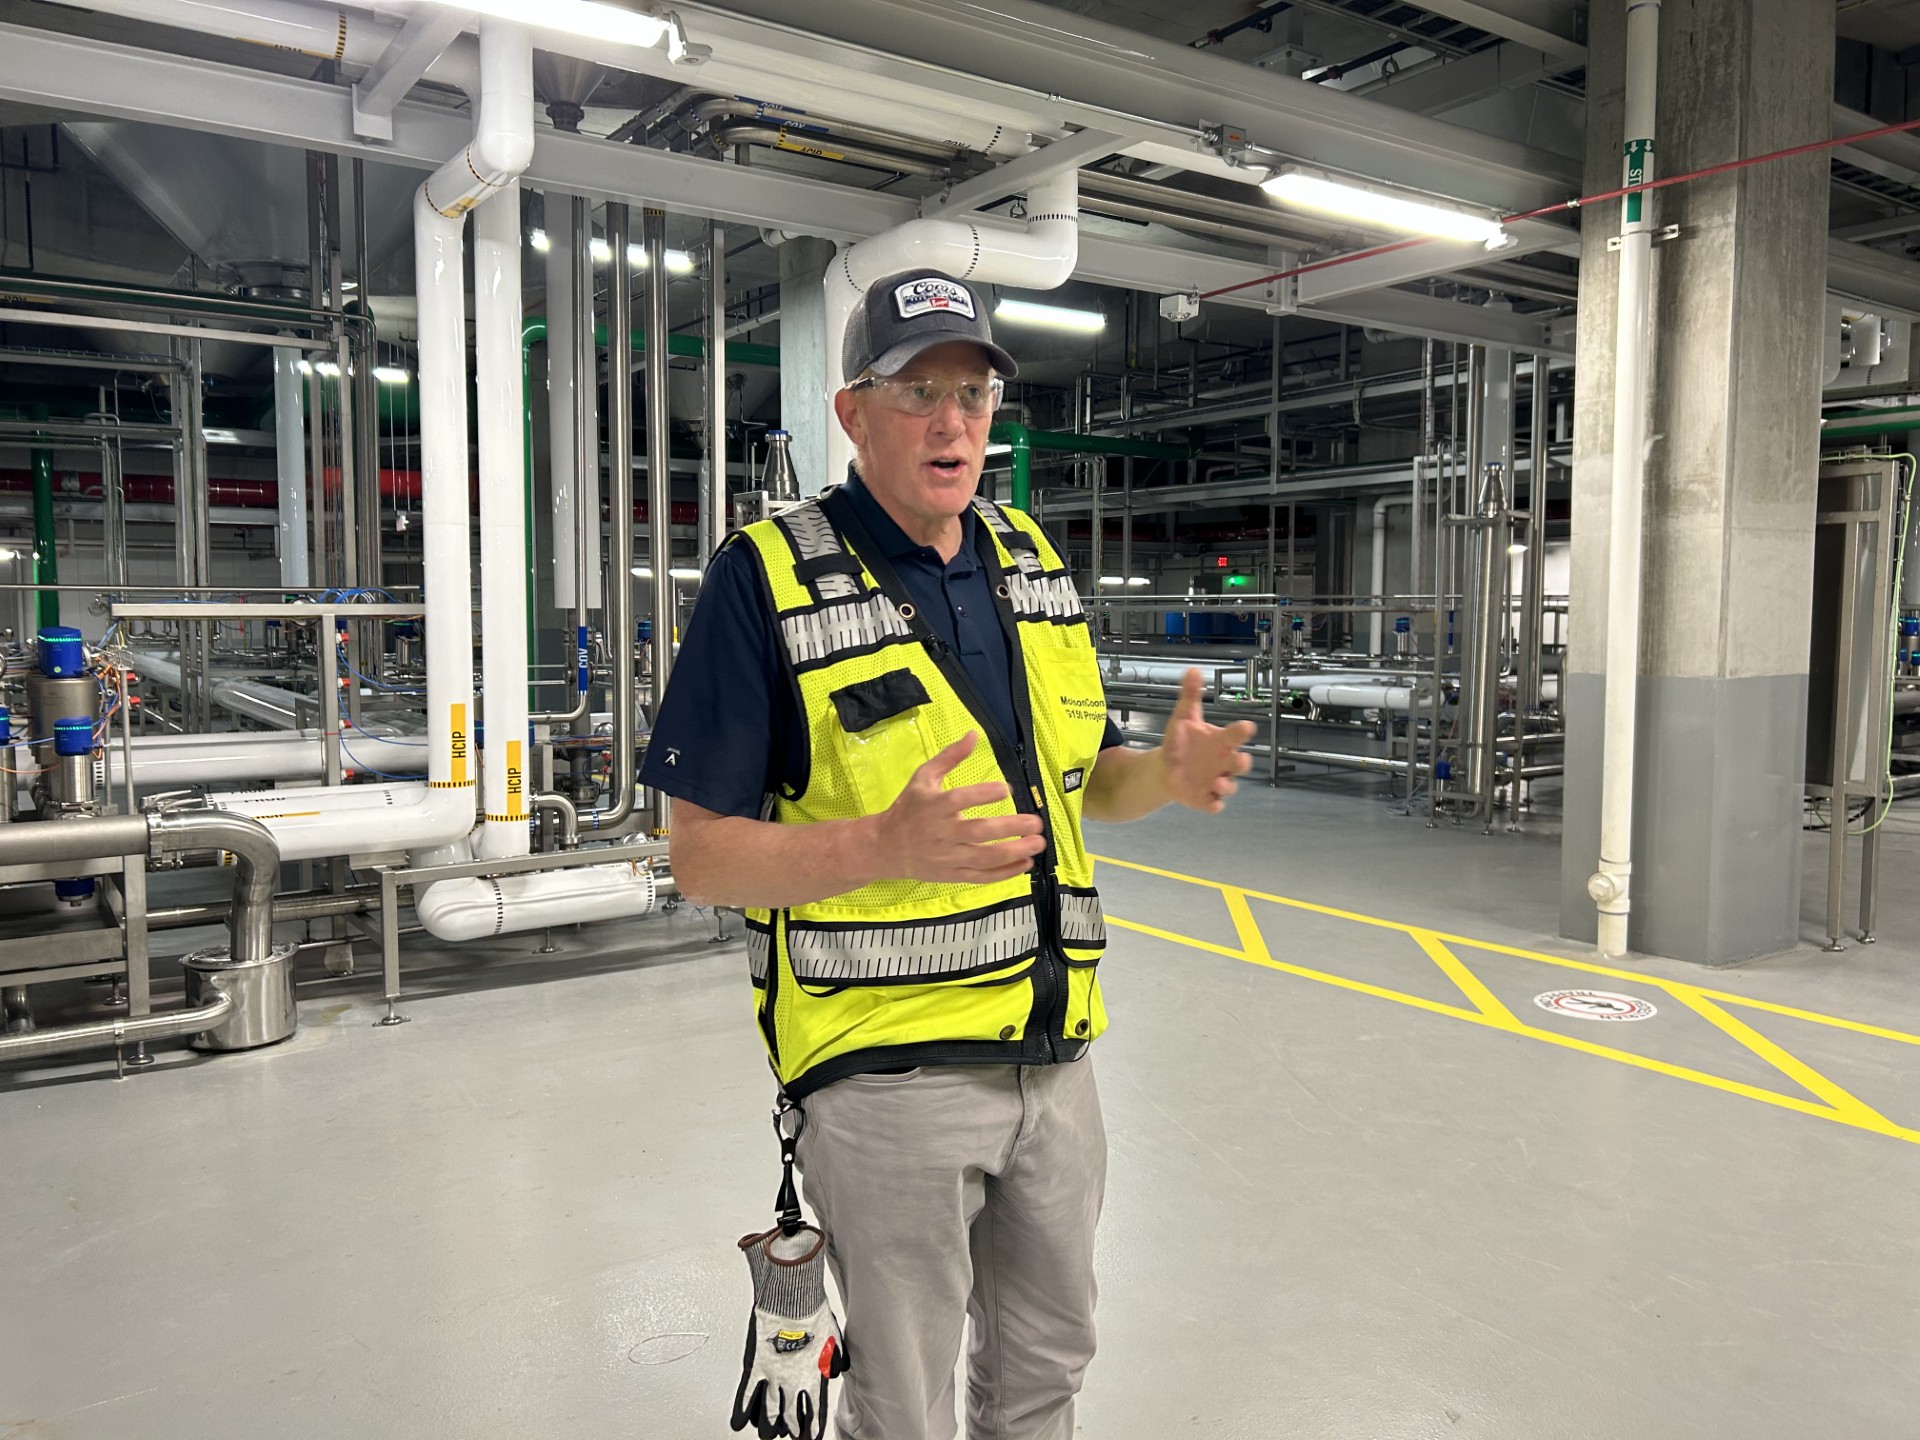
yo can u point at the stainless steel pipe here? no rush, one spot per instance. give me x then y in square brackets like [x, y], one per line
[619, 586]
[118, 1032]
[659, 479]
[44, 842]
[256, 875]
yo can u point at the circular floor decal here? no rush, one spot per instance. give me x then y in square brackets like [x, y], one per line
[1595, 1005]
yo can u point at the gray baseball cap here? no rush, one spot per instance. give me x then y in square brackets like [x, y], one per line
[912, 311]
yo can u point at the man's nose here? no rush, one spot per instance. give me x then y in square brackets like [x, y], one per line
[947, 417]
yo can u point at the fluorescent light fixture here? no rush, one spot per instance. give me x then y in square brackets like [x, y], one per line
[601, 251]
[327, 368]
[7, 553]
[1313, 191]
[1050, 317]
[391, 374]
[645, 572]
[1133, 580]
[306, 368]
[539, 241]
[1008, 449]
[1517, 548]
[678, 261]
[614, 23]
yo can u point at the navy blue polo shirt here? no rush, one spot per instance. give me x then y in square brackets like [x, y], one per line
[729, 731]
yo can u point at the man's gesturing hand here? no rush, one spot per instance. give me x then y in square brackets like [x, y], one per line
[1201, 759]
[925, 835]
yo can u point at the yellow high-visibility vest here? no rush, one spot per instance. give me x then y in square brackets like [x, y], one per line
[907, 972]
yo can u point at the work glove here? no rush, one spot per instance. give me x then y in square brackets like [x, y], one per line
[793, 1342]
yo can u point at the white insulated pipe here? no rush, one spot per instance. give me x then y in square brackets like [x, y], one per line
[1374, 696]
[167, 761]
[267, 704]
[503, 525]
[474, 908]
[1040, 257]
[290, 451]
[1611, 884]
[1377, 622]
[334, 822]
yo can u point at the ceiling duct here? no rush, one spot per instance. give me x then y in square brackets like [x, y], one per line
[564, 85]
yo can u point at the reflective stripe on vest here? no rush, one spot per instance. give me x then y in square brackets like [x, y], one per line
[911, 972]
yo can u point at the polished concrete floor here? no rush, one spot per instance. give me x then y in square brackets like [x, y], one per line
[1341, 1207]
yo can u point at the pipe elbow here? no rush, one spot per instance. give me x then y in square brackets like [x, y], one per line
[501, 155]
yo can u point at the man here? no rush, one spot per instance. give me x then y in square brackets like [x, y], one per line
[885, 724]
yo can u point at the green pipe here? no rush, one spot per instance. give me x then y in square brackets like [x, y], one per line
[1870, 422]
[1008, 432]
[46, 559]
[1022, 467]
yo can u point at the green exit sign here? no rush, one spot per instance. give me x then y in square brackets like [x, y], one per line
[1239, 582]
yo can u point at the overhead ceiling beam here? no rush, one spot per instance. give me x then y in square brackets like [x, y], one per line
[1547, 25]
[1406, 313]
[1896, 157]
[99, 79]
[428, 31]
[1442, 85]
[1014, 177]
[1024, 56]
[1884, 228]
[1436, 257]
[1888, 283]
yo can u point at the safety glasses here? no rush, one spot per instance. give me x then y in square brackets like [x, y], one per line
[918, 396]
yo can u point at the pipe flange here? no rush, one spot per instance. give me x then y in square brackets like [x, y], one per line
[220, 957]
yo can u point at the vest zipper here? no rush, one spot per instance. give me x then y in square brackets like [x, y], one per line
[1050, 972]
[1046, 897]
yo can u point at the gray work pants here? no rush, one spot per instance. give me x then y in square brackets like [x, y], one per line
[960, 1191]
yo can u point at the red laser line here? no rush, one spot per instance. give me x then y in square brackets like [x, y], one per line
[1565, 205]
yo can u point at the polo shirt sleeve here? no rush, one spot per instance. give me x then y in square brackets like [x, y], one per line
[724, 733]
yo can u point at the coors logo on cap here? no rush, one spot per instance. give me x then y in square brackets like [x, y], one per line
[918, 297]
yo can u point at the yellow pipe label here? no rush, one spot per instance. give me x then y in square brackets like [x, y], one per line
[516, 803]
[457, 722]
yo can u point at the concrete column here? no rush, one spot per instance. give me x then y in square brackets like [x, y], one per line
[1738, 304]
[804, 402]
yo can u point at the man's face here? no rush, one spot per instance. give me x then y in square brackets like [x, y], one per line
[927, 466]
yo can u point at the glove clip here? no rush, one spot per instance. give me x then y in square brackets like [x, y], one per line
[786, 1204]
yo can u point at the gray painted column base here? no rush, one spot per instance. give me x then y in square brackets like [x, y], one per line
[1717, 814]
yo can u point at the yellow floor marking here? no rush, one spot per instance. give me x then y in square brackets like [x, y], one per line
[1470, 984]
[1589, 967]
[1839, 1105]
[1260, 956]
[1792, 1067]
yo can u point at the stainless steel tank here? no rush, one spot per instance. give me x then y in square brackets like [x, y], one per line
[263, 1010]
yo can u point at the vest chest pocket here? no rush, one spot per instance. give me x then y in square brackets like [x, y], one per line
[882, 737]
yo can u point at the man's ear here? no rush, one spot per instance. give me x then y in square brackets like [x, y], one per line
[846, 406]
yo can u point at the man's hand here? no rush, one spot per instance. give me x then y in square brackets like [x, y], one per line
[1201, 759]
[925, 835]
